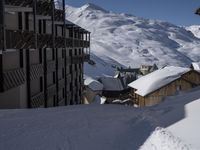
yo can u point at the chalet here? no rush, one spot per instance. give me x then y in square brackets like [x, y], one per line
[130, 74]
[154, 87]
[93, 89]
[146, 69]
[114, 88]
[41, 55]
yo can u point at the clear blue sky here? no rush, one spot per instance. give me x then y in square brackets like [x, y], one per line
[180, 12]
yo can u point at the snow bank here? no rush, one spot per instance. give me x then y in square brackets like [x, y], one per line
[105, 127]
[157, 79]
[161, 139]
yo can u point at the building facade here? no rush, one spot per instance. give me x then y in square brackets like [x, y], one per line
[41, 55]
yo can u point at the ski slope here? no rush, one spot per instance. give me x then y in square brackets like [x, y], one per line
[132, 41]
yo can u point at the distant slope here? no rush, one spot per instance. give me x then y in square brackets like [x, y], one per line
[106, 67]
[133, 41]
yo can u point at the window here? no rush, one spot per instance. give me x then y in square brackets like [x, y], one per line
[20, 26]
[21, 58]
[40, 55]
[44, 26]
[40, 26]
[70, 52]
[54, 77]
[41, 84]
[63, 53]
[63, 92]
[70, 69]
[27, 20]
[63, 72]
[75, 52]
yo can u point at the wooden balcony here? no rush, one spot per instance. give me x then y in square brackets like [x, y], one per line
[19, 39]
[21, 3]
[16, 39]
[77, 59]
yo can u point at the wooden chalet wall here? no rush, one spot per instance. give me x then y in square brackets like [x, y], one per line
[186, 82]
[41, 56]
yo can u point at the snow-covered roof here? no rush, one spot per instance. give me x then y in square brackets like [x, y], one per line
[157, 79]
[196, 66]
[111, 84]
[93, 84]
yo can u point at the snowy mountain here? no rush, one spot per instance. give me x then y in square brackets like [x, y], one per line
[132, 41]
[195, 29]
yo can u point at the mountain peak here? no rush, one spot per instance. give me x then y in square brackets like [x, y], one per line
[91, 6]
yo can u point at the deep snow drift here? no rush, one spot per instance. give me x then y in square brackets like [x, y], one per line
[133, 41]
[107, 127]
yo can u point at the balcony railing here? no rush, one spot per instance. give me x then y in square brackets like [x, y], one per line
[13, 78]
[26, 39]
[22, 3]
[37, 100]
[44, 7]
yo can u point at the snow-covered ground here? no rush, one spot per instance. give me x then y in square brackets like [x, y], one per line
[172, 125]
[132, 40]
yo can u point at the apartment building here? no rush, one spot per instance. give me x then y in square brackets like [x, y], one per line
[41, 55]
